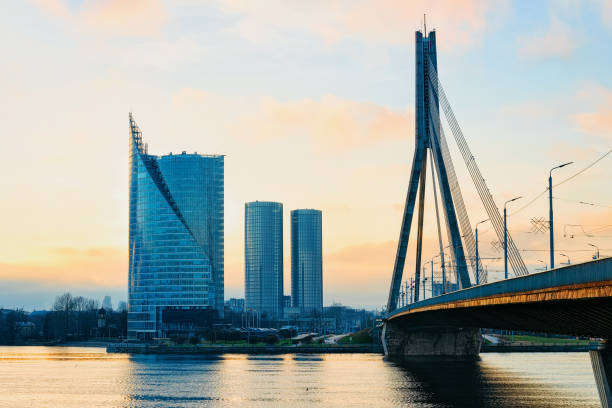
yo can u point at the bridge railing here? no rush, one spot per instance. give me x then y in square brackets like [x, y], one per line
[587, 272]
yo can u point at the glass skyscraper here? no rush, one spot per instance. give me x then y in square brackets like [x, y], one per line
[306, 261]
[263, 257]
[175, 236]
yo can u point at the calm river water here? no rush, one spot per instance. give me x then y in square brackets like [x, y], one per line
[68, 377]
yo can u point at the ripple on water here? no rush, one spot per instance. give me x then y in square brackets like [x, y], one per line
[69, 377]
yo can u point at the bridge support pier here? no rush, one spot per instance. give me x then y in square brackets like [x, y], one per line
[408, 344]
[601, 361]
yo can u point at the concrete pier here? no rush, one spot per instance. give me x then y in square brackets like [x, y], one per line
[413, 344]
[601, 361]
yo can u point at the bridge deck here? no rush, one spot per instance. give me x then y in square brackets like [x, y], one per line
[575, 295]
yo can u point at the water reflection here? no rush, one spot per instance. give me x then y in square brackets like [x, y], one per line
[535, 380]
[63, 377]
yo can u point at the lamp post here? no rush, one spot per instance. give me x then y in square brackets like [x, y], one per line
[432, 279]
[477, 258]
[550, 215]
[596, 247]
[568, 260]
[506, 236]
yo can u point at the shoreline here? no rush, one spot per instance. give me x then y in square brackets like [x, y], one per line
[132, 348]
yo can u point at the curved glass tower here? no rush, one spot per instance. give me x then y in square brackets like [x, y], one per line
[263, 257]
[175, 237]
[306, 261]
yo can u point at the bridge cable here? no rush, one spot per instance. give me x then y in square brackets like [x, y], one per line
[433, 182]
[483, 191]
[464, 221]
[518, 266]
[494, 221]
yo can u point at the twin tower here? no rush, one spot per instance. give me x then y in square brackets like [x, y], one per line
[263, 260]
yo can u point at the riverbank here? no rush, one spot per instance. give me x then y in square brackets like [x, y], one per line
[135, 348]
[538, 348]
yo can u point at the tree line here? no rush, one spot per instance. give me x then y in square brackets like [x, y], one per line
[71, 318]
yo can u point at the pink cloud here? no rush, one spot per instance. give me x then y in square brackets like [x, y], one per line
[138, 18]
[103, 266]
[333, 124]
[556, 41]
[390, 21]
[597, 122]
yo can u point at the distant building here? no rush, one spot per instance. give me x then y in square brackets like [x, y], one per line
[286, 302]
[107, 304]
[175, 240]
[263, 257]
[306, 261]
[235, 305]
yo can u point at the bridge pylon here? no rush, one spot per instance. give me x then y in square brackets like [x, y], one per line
[427, 141]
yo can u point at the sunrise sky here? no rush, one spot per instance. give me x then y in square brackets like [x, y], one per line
[312, 102]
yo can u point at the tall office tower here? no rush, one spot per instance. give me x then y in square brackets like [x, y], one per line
[175, 239]
[306, 261]
[263, 257]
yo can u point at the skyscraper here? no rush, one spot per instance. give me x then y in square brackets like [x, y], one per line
[175, 237]
[263, 257]
[306, 261]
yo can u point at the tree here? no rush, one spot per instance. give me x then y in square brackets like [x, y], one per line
[64, 303]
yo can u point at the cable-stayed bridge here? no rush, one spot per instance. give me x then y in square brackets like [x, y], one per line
[573, 300]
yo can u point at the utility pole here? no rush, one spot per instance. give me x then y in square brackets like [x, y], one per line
[550, 215]
[432, 279]
[477, 257]
[506, 237]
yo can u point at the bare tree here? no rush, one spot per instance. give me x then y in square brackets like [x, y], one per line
[64, 303]
[92, 305]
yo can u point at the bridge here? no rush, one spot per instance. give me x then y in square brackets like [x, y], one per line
[573, 300]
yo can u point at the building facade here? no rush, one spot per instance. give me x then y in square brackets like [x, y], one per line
[175, 239]
[263, 258]
[306, 261]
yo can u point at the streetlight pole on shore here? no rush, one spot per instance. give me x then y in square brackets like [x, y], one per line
[550, 215]
[506, 236]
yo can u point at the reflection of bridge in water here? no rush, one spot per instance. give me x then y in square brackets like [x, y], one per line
[573, 300]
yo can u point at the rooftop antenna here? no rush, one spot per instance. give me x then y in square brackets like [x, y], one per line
[425, 24]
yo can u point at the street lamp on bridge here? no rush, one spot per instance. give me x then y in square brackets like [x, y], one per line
[550, 215]
[477, 257]
[568, 260]
[545, 266]
[506, 236]
[596, 247]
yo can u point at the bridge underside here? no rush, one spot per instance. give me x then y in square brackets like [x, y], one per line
[573, 300]
[581, 317]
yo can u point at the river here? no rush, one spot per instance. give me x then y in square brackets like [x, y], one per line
[66, 377]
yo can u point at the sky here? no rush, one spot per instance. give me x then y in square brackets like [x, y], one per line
[313, 105]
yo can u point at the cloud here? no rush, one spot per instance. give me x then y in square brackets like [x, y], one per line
[333, 124]
[557, 41]
[597, 122]
[100, 266]
[360, 266]
[606, 14]
[139, 18]
[462, 23]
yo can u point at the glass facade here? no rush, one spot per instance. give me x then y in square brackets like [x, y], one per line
[263, 257]
[306, 261]
[175, 235]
